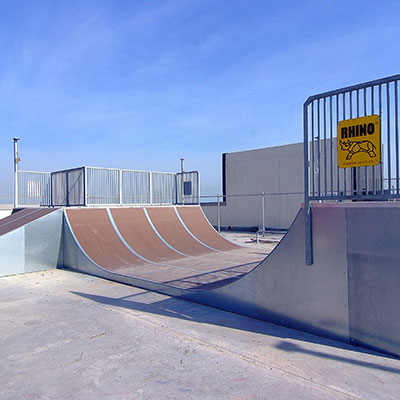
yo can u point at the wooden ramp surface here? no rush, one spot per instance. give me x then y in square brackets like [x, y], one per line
[160, 244]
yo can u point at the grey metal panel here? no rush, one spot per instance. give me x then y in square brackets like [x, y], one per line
[284, 290]
[135, 187]
[12, 246]
[103, 186]
[163, 188]
[59, 188]
[76, 187]
[42, 242]
[374, 277]
[193, 178]
[34, 188]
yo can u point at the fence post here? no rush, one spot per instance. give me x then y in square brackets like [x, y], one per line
[151, 187]
[16, 161]
[219, 214]
[120, 186]
[85, 186]
[263, 211]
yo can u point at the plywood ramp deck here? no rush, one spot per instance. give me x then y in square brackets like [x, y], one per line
[125, 241]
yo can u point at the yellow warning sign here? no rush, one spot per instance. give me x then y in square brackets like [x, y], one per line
[359, 142]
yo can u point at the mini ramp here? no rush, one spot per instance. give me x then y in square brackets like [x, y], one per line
[350, 293]
[30, 240]
[162, 245]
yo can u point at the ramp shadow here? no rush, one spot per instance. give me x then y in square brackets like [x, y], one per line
[186, 310]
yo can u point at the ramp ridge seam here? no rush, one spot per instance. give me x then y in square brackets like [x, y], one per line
[116, 274]
[161, 238]
[135, 252]
[191, 234]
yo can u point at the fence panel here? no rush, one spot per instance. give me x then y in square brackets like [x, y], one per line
[163, 188]
[103, 186]
[34, 189]
[188, 187]
[135, 187]
[68, 187]
[323, 179]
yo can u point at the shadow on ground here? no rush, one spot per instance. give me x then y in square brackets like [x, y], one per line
[186, 310]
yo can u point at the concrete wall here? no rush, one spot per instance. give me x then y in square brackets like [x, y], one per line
[270, 170]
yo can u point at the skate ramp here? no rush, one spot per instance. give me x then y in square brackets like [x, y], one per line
[139, 243]
[30, 240]
[350, 293]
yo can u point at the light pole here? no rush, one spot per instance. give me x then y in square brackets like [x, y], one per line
[16, 161]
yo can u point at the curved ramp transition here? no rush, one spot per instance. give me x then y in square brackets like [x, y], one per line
[154, 244]
[350, 293]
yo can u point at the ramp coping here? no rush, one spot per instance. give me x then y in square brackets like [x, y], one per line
[191, 234]
[17, 219]
[158, 234]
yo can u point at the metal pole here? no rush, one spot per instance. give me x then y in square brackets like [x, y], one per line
[219, 214]
[120, 186]
[16, 161]
[182, 165]
[151, 187]
[263, 211]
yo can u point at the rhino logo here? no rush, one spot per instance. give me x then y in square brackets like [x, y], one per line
[354, 147]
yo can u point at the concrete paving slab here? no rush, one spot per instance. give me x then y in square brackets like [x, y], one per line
[66, 335]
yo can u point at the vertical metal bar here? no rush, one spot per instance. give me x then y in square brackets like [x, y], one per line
[344, 169]
[307, 208]
[358, 177]
[331, 142]
[218, 214]
[325, 155]
[312, 151]
[380, 115]
[372, 113]
[353, 170]
[151, 187]
[319, 148]
[365, 168]
[120, 186]
[16, 161]
[337, 139]
[396, 124]
[389, 161]
[263, 211]
[198, 187]
[85, 191]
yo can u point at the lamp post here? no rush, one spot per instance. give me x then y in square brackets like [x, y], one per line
[16, 161]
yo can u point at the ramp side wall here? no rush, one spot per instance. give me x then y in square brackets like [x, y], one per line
[374, 277]
[285, 291]
[32, 247]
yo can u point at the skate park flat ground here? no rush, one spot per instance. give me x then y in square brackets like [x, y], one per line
[68, 335]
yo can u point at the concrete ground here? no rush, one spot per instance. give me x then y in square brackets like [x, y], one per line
[65, 335]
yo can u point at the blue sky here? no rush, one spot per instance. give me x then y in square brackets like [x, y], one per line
[140, 83]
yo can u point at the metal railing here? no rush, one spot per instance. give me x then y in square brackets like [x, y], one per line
[262, 209]
[323, 179]
[34, 188]
[95, 186]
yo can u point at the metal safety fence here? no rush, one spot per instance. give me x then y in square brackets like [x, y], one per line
[95, 186]
[252, 211]
[34, 188]
[324, 179]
